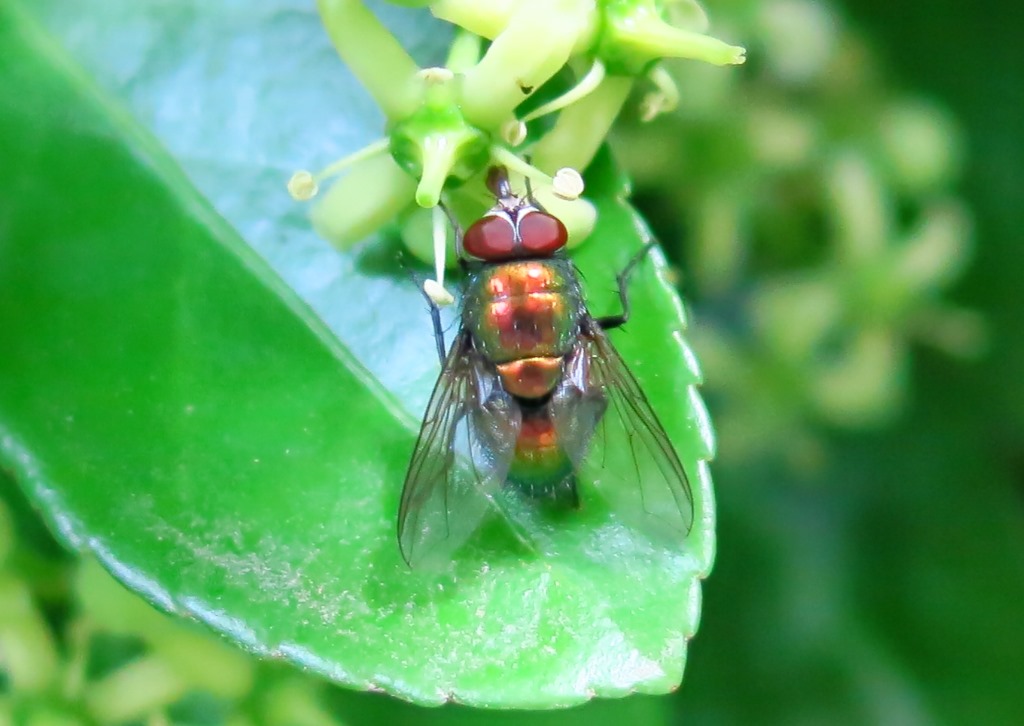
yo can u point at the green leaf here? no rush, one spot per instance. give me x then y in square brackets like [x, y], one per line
[174, 407]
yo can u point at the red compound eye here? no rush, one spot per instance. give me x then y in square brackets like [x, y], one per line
[490, 238]
[541, 233]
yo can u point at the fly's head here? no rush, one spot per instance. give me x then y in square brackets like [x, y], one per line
[514, 228]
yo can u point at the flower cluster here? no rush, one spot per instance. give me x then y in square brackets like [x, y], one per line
[446, 126]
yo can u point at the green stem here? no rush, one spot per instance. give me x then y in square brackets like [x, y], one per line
[374, 55]
[513, 163]
[650, 37]
[361, 202]
[464, 52]
[335, 168]
[534, 46]
[485, 19]
[587, 85]
[582, 127]
[304, 185]
[439, 233]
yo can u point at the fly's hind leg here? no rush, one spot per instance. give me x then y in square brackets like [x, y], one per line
[614, 321]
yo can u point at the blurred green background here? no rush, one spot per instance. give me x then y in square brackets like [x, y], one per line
[847, 235]
[873, 576]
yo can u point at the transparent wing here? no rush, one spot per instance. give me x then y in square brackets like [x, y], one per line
[461, 459]
[616, 442]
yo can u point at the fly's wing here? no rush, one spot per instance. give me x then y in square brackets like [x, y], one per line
[616, 442]
[461, 459]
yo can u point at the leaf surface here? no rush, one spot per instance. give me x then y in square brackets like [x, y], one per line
[221, 407]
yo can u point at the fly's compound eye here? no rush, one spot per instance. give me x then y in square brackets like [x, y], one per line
[490, 238]
[542, 234]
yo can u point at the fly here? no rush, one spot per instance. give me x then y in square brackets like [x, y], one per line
[533, 404]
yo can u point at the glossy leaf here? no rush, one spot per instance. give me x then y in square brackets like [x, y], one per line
[176, 408]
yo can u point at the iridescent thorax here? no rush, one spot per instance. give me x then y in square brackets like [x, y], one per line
[524, 316]
[524, 308]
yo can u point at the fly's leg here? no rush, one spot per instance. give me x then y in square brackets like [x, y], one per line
[435, 318]
[435, 308]
[529, 189]
[457, 231]
[610, 322]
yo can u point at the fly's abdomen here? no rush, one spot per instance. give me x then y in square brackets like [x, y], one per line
[524, 316]
[540, 467]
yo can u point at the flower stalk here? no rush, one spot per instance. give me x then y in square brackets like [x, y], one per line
[582, 127]
[374, 56]
[635, 37]
[513, 67]
[585, 87]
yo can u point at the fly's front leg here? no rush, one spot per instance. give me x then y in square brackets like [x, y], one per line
[614, 321]
[456, 230]
[435, 318]
[433, 290]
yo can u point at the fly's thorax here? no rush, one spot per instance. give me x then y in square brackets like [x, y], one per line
[524, 309]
